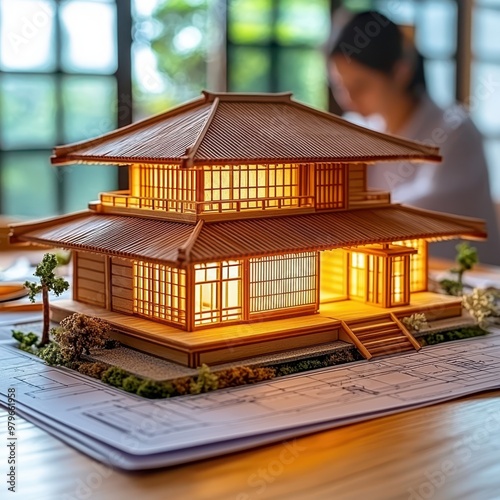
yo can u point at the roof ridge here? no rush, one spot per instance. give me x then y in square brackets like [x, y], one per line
[192, 150]
[59, 151]
[424, 148]
[185, 250]
[248, 96]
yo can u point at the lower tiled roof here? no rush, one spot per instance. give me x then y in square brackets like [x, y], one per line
[174, 242]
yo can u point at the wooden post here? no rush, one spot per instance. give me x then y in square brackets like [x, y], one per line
[107, 282]
[190, 295]
[75, 275]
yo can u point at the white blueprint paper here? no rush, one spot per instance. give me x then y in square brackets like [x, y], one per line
[131, 432]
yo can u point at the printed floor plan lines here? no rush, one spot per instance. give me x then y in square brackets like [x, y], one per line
[159, 432]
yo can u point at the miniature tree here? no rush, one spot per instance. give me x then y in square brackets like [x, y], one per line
[78, 334]
[49, 282]
[466, 259]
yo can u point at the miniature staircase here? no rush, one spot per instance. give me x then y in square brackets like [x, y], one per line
[379, 336]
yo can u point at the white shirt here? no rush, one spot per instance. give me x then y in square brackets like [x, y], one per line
[459, 185]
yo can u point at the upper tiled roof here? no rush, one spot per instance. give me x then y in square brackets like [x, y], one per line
[175, 242]
[243, 128]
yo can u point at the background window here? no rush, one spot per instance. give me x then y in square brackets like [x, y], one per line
[275, 45]
[58, 84]
[68, 68]
[458, 42]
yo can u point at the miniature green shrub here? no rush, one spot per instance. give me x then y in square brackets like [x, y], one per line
[339, 357]
[181, 386]
[92, 369]
[114, 376]
[131, 383]
[462, 333]
[205, 381]
[242, 375]
[52, 355]
[27, 341]
[344, 356]
[300, 366]
[152, 389]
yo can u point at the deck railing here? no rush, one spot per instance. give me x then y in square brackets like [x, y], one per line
[370, 196]
[125, 200]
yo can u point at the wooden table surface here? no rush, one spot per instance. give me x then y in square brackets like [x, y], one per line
[445, 451]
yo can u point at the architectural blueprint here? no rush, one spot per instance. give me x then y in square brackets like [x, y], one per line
[133, 433]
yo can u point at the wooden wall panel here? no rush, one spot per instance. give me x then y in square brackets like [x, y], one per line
[90, 283]
[122, 285]
[357, 178]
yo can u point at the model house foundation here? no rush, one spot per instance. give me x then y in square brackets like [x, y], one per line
[248, 228]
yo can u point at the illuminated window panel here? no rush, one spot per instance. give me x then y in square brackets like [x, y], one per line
[218, 292]
[163, 187]
[330, 185]
[252, 187]
[333, 275]
[399, 285]
[357, 274]
[160, 292]
[375, 269]
[418, 264]
[284, 281]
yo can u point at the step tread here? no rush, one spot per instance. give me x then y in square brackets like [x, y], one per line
[392, 341]
[377, 333]
[379, 351]
[361, 329]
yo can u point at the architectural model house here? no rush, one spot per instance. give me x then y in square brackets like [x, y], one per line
[248, 229]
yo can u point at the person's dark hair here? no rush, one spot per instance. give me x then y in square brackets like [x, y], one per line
[371, 39]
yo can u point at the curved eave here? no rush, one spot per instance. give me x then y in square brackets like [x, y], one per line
[113, 160]
[98, 250]
[351, 244]
[177, 243]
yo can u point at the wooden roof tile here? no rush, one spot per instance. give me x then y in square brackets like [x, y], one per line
[166, 241]
[243, 128]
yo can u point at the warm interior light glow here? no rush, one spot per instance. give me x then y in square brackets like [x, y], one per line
[357, 284]
[330, 185]
[397, 280]
[283, 281]
[244, 187]
[375, 269]
[418, 264]
[333, 275]
[218, 292]
[160, 292]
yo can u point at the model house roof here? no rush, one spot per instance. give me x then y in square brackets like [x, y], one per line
[243, 128]
[176, 243]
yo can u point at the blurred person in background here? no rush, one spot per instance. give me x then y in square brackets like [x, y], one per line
[375, 70]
